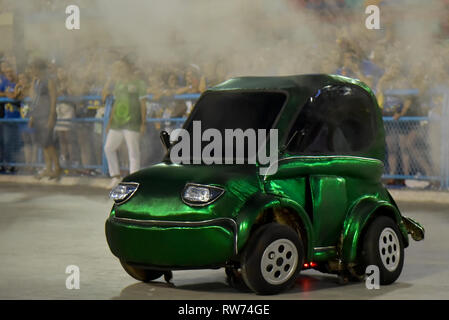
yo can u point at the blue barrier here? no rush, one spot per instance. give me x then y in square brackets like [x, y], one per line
[104, 121]
[442, 177]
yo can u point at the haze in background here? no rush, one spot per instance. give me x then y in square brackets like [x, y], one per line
[257, 37]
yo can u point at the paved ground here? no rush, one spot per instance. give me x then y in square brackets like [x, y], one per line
[45, 229]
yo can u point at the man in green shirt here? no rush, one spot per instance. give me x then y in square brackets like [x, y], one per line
[127, 119]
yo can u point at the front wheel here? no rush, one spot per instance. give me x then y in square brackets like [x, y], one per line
[272, 259]
[141, 274]
[383, 247]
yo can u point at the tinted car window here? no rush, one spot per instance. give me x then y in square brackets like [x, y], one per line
[337, 120]
[236, 110]
[231, 110]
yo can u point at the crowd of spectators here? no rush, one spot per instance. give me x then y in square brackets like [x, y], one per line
[92, 74]
[381, 59]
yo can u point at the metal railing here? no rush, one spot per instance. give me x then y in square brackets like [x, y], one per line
[427, 147]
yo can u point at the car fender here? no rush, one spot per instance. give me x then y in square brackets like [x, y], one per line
[258, 203]
[358, 218]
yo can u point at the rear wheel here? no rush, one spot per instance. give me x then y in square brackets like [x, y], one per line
[141, 274]
[273, 259]
[383, 247]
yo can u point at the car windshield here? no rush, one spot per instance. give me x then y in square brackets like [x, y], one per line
[237, 110]
[230, 111]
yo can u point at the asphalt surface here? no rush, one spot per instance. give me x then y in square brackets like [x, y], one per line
[45, 229]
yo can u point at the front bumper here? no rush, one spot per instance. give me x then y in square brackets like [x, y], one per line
[173, 244]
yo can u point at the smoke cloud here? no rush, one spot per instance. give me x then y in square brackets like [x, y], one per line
[251, 37]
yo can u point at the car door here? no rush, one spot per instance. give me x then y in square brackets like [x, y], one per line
[329, 205]
[335, 124]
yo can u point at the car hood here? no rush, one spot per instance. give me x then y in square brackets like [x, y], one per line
[158, 196]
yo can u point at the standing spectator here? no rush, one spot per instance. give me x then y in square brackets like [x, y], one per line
[3, 67]
[11, 111]
[173, 108]
[95, 109]
[396, 106]
[43, 117]
[416, 130]
[64, 110]
[194, 84]
[371, 67]
[152, 148]
[128, 117]
[21, 91]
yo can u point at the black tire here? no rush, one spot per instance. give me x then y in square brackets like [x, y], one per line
[389, 258]
[141, 274]
[273, 236]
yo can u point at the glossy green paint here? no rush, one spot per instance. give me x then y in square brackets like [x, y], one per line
[327, 186]
[159, 194]
[333, 197]
[364, 209]
[183, 247]
[328, 195]
[308, 227]
[248, 214]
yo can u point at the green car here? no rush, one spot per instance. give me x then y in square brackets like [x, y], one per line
[323, 206]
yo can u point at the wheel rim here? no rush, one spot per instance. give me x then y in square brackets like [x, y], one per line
[279, 261]
[389, 249]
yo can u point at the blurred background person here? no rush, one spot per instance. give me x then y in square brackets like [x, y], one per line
[21, 91]
[64, 110]
[127, 120]
[173, 108]
[11, 136]
[43, 116]
[397, 133]
[152, 149]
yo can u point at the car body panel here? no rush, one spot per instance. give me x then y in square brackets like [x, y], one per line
[161, 245]
[359, 215]
[159, 192]
[260, 203]
[328, 195]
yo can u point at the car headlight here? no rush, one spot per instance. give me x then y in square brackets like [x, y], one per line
[200, 195]
[123, 191]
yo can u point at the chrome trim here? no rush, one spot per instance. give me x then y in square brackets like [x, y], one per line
[136, 184]
[324, 248]
[202, 204]
[167, 223]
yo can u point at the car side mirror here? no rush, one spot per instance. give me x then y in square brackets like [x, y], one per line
[165, 139]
